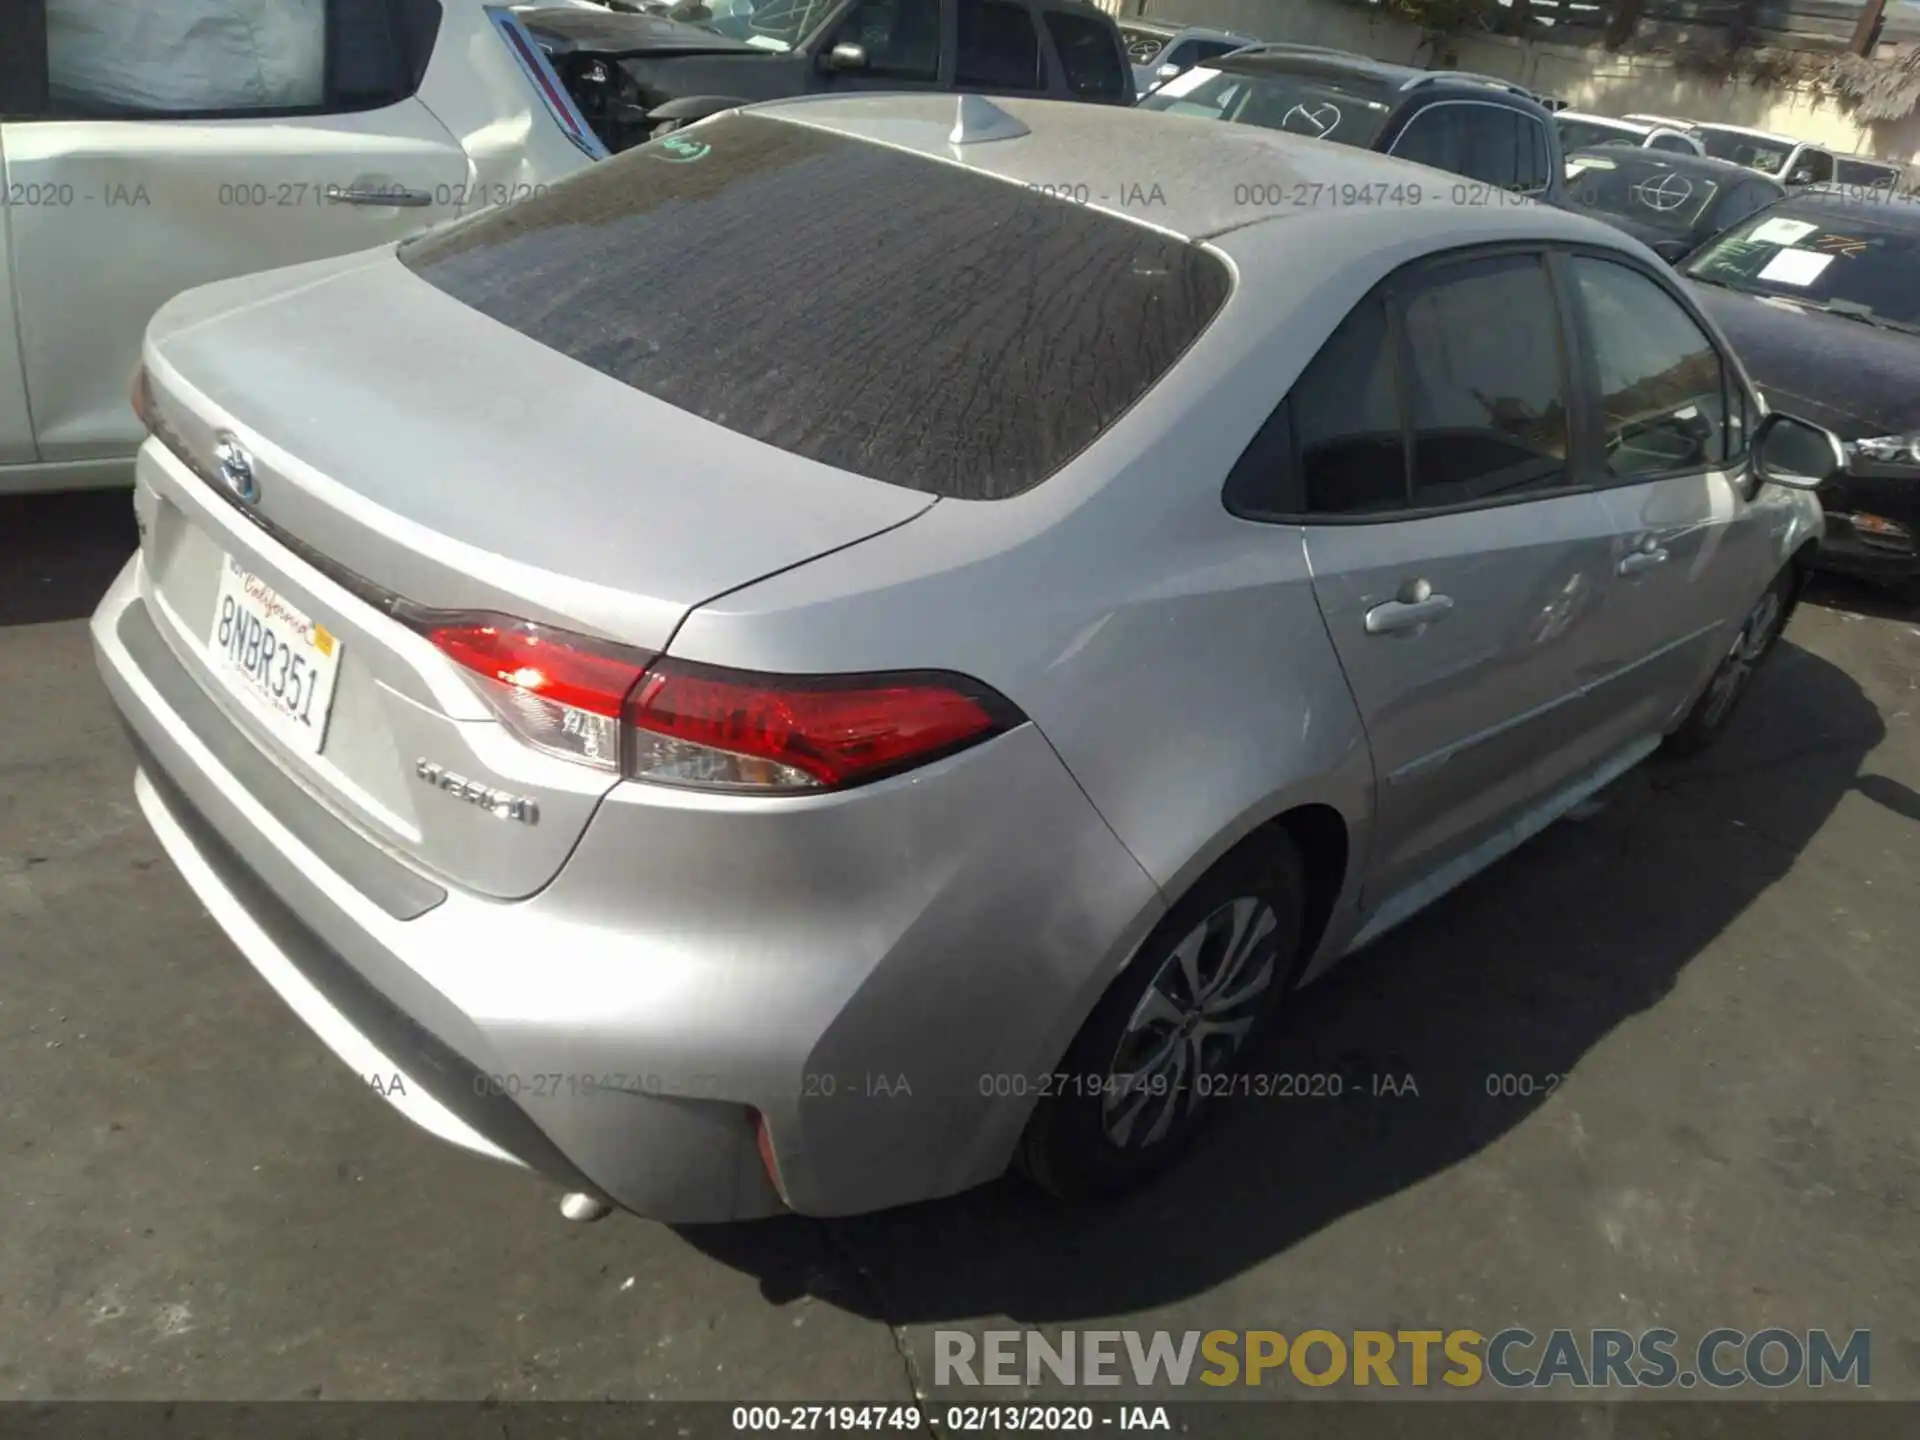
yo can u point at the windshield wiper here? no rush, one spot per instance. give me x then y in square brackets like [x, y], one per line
[1866, 314]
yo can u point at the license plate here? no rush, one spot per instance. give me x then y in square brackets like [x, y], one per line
[276, 659]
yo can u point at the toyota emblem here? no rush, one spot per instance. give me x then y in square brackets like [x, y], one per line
[236, 468]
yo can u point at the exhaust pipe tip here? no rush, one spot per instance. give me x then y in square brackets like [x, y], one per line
[584, 1209]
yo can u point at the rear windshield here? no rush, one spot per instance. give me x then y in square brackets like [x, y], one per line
[1638, 185]
[871, 309]
[1350, 109]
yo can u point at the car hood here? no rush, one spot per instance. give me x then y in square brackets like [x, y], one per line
[1852, 378]
[616, 35]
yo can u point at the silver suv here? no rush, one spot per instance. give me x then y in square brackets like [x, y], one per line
[787, 672]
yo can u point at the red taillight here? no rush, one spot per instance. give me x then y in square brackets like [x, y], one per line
[726, 730]
[142, 397]
[768, 1160]
[562, 693]
[675, 723]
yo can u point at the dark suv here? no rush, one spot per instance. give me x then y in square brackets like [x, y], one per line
[639, 75]
[1481, 128]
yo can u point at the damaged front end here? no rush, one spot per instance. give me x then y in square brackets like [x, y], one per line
[647, 67]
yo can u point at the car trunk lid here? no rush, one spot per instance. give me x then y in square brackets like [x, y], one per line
[468, 470]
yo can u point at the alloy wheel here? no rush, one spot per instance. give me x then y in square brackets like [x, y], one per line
[1190, 1023]
[1750, 647]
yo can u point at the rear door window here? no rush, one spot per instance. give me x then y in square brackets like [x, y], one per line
[905, 320]
[1860, 172]
[233, 58]
[1487, 401]
[1088, 55]
[998, 47]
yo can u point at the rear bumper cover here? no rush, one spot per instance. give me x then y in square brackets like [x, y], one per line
[885, 975]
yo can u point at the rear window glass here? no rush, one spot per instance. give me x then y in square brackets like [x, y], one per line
[870, 309]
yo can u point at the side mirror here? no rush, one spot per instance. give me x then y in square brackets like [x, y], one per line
[1166, 73]
[847, 57]
[1671, 251]
[1796, 453]
[1800, 177]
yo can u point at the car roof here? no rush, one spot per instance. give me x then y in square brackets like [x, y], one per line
[1773, 135]
[1168, 29]
[1638, 127]
[1902, 212]
[1191, 176]
[1704, 166]
[1309, 60]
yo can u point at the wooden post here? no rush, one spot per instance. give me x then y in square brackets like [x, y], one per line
[1867, 32]
[1620, 24]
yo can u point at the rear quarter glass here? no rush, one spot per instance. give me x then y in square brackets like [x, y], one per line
[874, 310]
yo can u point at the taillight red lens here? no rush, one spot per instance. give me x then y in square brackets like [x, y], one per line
[675, 723]
[561, 692]
[531, 659]
[722, 729]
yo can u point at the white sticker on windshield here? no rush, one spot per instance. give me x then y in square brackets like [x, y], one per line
[1781, 231]
[1187, 83]
[1795, 267]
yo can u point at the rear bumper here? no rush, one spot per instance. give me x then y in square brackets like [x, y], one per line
[884, 975]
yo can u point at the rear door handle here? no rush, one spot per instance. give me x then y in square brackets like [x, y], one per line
[1398, 616]
[397, 195]
[1642, 560]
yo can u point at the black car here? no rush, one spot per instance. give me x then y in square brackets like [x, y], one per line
[1820, 294]
[1476, 126]
[1672, 203]
[637, 75]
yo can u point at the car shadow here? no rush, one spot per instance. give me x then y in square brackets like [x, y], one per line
[59, 553]
[1518, 974]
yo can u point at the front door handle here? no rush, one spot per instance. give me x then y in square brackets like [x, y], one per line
[1415, 608]
[1642, 560]
[397, 195]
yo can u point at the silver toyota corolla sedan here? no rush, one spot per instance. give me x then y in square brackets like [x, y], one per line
[849, 648]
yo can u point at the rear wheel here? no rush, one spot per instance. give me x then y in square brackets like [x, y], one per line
[1751, 645]
[1136, 1085]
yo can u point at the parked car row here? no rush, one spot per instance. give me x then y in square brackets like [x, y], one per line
[1781, 158]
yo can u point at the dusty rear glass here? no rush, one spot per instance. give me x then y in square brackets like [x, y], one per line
[874, 310]
[1321, 103]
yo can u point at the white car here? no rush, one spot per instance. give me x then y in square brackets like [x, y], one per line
[1782, 157]
[1581, 131]
[150, 148]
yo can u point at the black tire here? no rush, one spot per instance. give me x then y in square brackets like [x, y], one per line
[1068, 1149]
[1759, 632]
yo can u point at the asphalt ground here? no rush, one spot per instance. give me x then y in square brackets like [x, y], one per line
[1704, 995]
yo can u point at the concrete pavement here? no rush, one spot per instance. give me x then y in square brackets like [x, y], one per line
[1707, 987]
